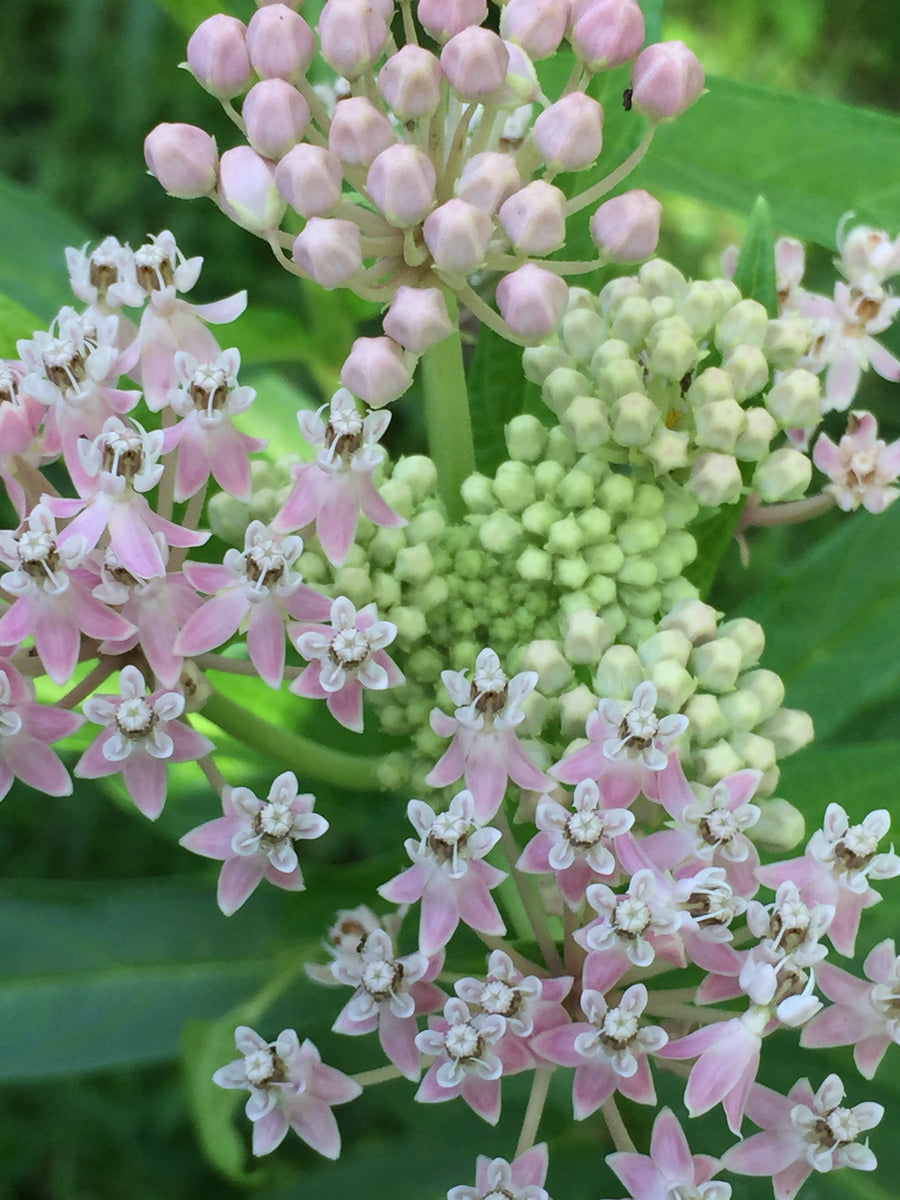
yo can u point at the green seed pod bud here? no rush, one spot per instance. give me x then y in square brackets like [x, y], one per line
[602, 592]
[425, 665]
[560, 448]
[701, 306]
[616, 494]
[471, 564]
[715, 762]
[565, 537]
[418, 473]
[719, 425]
[582, 331]
[576, 489]
[667, 450]
[666, 644]
[637, 572]
[768, 689]
[615, 616]
[706, 718]
[228, 518]
[354, 583]
[411, 624]
[618, 379]
[796, 400]
[547, 476]
[710, 385]
[750, 636]
[674, 685]
[606, 558]
[785, 475]
[478, 494]
[753, 444]
[659, 278]
[748, 369]
[514, 486]
[717, 664]
[634, 419]
[571, 573]
[313, 567]
[780, 827]
[743, 325]
[757, 752]
[619, 673]
[399, 496]
[586, 422]
[431, 594]
[632, 319]
[790, 729]
[526, 438]
[586, 637]
[414, 564]
[740, 709]
[562, 386]
[673, 352]
[545, 657]
[641, 602]
[638, 536]
[696, 620]
[538, 517]
[716, 479]
[538, 362]
[500, 533]
[574, 709]
[426, 526]
[595, 524]
[614, 292]
[534, 565]
[463, 654]
[787, 340]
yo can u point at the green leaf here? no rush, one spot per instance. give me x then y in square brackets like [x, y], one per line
[812, 158]
[755, 273]
[15, 322]
[498, 391]
[188, 14]
[713, 531]
[653, 19]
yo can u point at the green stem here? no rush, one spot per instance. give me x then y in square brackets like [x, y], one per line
[529, 897]
[533, 1112]
[447, 420]
[595, 193]
[616, 1126]
[273, 744]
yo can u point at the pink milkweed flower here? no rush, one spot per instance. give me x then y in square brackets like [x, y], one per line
[529, 1005]
[861, 466]
[53, 597]
[106, 278]
[142, 735]
[522, 1179]
[21, 418]
[803, 1132]
[866, 251]
[848, 346]
[26, 730]
[629, 749]
[254, 839]
[670, 1169]
[864, 1015]
[575, 844]
[258, 588]
[448, 873]
[207, 397]
[840, 859]
[485, 748]
[608, 1051]
[633, 925]
[346, 657]
[290, 1088]
[334, 489]
[390, 993]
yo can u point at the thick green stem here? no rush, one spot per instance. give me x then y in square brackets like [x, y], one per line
[447, 416]
[302, 755]
[533, 1112]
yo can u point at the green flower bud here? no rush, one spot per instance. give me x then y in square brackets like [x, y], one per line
[526, 438]
[743, 325]
[674, 591]
[717, 664]
[728, 290]
[601, 591]
[757, 752]
[638, 629]
[617, 379]
[385, 546]
[313, 567]
[787, 340]
[228, 518]
[680, 509]
[662, 308]
[768, 689]
[710, 385]
[649, 501]
[386, 591]
[560, 448]
[615, 617]
[790, 729]
[707, 722]
[571, 573]
[471, 564]
[666, 644]
[715, 762]
[748, 369]
[399, 496]
[796, 399]
[537, 709]
[659, 278]
[569, 603]
[619, 673]
[586, 422]
[667, 450]
[426, 526]
[637, 572]
[596, 525]
[478, 494]
[534, 565]
[753, 444]
[354, 583]
[785, 475]
[586, 636]
[547, 475]
[562, 386]
[463, 654]
[632, 319]
[554, 671]
[668, 560]
[580, 297]
[425, 665]
[411, 624]
[696, 620]
[265, 503]
[392, 772]
[780, 827]
[500, 533]
[719, 425]
[750, 636]
[674, 685]
[514, 486]
[582, 331]
[433, 593]
[538, 362]
[392, 719]
[740, 709]
[613, 350]
[427, 742]
[414, 564]
[606, 558]
[639, 535]
[574, 709]
[613, 293]
[418, 473]
[538, 517]
[576, 489]
[716, 479]
[701, 306]
[672, 349]
[565, 537]
[634, 419]
[641, 602]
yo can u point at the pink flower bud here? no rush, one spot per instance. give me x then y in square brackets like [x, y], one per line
[444, 18]
[183, 158]
[376, 370]
[475, 62]
[609, 33]
[218, 58]
[626, 228]
[521, 85]
[569, 134]
[410, 82]
[534, 218]
[418, 318]
[275, 115]
[532, 302]
[666, 80]
[488, 179]
[352, 34]
[538, 26]
[458, 235]
[329, 251]
[310, 179]
[401, 182]
[280, 43]
[247, 191]
[359, 132]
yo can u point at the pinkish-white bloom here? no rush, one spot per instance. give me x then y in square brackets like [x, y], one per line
[448, 874]
[26, 731]
[866, 251]
[290, 1088]
[254, 839]
[485, 748]
[790, 927]
[629, 926]
[21, 435]
[334, 489]
[803, 1132]
[346, 657]
[846, 345]
[529, 1005]
[142, 735]
[105, 279]
[670, 1169]
[522, 1179]
[861, 466]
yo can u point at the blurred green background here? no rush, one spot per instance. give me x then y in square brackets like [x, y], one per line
[82, 83]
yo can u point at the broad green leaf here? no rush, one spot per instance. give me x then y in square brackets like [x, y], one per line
[813, 159]
[713, 532]
[653, 19]
[15, 322]
[498, 391]
[188, 14]
[755, 274]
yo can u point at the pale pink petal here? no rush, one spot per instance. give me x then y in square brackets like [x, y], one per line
[237, 879]
[336, 524]
[36, 764]
[269, 1132]
[594, 1084]
[669, 1148]
[58, 641]
[346, 706]
[477, 909]
[214, 623]
[439, 916]
[374, 506]
[449, 766]
[212, 840]
[314, 1121]
[405, 888]
[483, 1096]
[265, 641]
[133, 542]
[397, 1036]
[147, 781]
[188, 744]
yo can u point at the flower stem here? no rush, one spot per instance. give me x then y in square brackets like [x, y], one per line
[535, 1109]
[616, 1126]
[593, 194]
[378, 1075]
[303, 755]
[447, 419]
[529, 898]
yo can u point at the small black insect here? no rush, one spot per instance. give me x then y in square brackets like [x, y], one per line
[626, 98]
